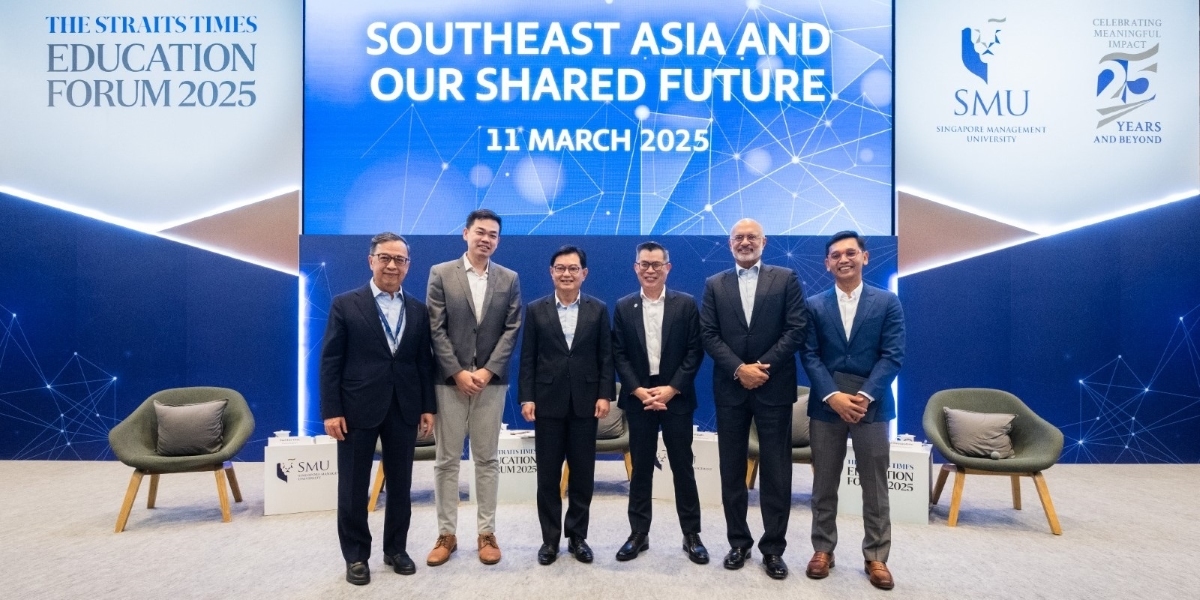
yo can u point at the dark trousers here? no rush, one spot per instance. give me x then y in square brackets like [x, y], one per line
[572, 438]
[871, 457]
[676, 429]
[774, 424]
[355, 455]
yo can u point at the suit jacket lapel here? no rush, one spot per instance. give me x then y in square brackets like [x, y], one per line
[639, 320]
[551, 312]
[835, 314]
[370, 313]
[765, 277]
[669, 305]
[734, 293]
[464, 285]
[864, 306]
[493, 281]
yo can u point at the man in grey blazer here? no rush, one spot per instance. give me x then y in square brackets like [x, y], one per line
[474, 314]
[852, 355]
[752, 322]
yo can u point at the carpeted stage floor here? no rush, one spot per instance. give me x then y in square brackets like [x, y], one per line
[1129, 531]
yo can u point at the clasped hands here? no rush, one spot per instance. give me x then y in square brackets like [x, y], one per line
[655, 398]
[850, 408]
[471, 383]
[753, 375]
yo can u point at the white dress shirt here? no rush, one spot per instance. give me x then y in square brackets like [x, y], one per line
[747, 286]
[652, 320]
[392, 309]
[568, 316]
[478, 285]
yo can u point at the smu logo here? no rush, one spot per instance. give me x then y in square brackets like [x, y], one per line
[977, 47]
[282, 470]
[1124, 83]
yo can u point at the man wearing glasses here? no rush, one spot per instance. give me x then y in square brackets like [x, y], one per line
[474, 312]
[752, 322]
[852, 355]
[565, 385]
[377, 384]
[657, 351]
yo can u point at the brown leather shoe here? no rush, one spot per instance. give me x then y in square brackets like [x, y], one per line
[819, 565]
[489, 550]
[446, 543]
[881, 577]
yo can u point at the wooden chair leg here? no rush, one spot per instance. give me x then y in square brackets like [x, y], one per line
[562, 487]
[941, 483]
[223, 495]
[960, 477]
[1044, 494]
[628, 466]
[751, 472]
[376, 487]
[1016, 491]
[130, 495]
[233, 484]
[153, 491]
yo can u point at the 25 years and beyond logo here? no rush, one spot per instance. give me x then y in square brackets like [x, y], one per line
[1127, 77]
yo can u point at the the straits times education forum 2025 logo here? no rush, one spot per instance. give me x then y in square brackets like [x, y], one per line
[988, 107]
[1125, 83]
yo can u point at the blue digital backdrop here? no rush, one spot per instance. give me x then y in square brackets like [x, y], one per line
[389, 145]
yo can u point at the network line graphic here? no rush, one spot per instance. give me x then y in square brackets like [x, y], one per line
[1127, 416]
[52, 414]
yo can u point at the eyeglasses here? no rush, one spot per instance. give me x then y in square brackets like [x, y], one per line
[388, 258]
[651, 266]
[572, 269]
[850, 254]
[749, 237]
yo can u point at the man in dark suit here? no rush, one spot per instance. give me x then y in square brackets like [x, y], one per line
[377, 384]
[565, 384]
[656, 347]
[852, 354]
[752, 322]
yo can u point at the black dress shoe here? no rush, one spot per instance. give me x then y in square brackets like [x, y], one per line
[358, 573]
[401, 563]
[774, 566]
[637, 542]
[580, 549]
[547, 554]
[695, 549]
[736, 558]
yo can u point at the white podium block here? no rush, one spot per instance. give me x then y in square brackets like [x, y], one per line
[705, 464]
[908, 483]
[299, 476]
[518, 469]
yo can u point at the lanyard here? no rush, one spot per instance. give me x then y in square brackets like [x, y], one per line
[393, 336]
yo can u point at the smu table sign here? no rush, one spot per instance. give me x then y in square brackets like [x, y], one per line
[908, 482]
[299, 474]
[518, 468]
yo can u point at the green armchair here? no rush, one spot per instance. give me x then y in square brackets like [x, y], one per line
[134, 441]
[801, 450]
[608, 445]
[1037, 444]
[426, 449]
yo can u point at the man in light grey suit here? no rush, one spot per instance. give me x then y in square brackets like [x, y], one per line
[474, 314]
[852, 355]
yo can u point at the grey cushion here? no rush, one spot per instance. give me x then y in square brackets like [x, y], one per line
[190, 429]
[425, 440]
[800, 435]
[980, 434]
[612, 426]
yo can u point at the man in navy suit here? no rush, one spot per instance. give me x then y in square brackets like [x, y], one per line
[565, 385]
[852, 355]
[377, 375]
[752, 322]
[656, 347]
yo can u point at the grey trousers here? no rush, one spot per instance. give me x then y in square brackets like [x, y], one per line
[871, 455]
[479, 417]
